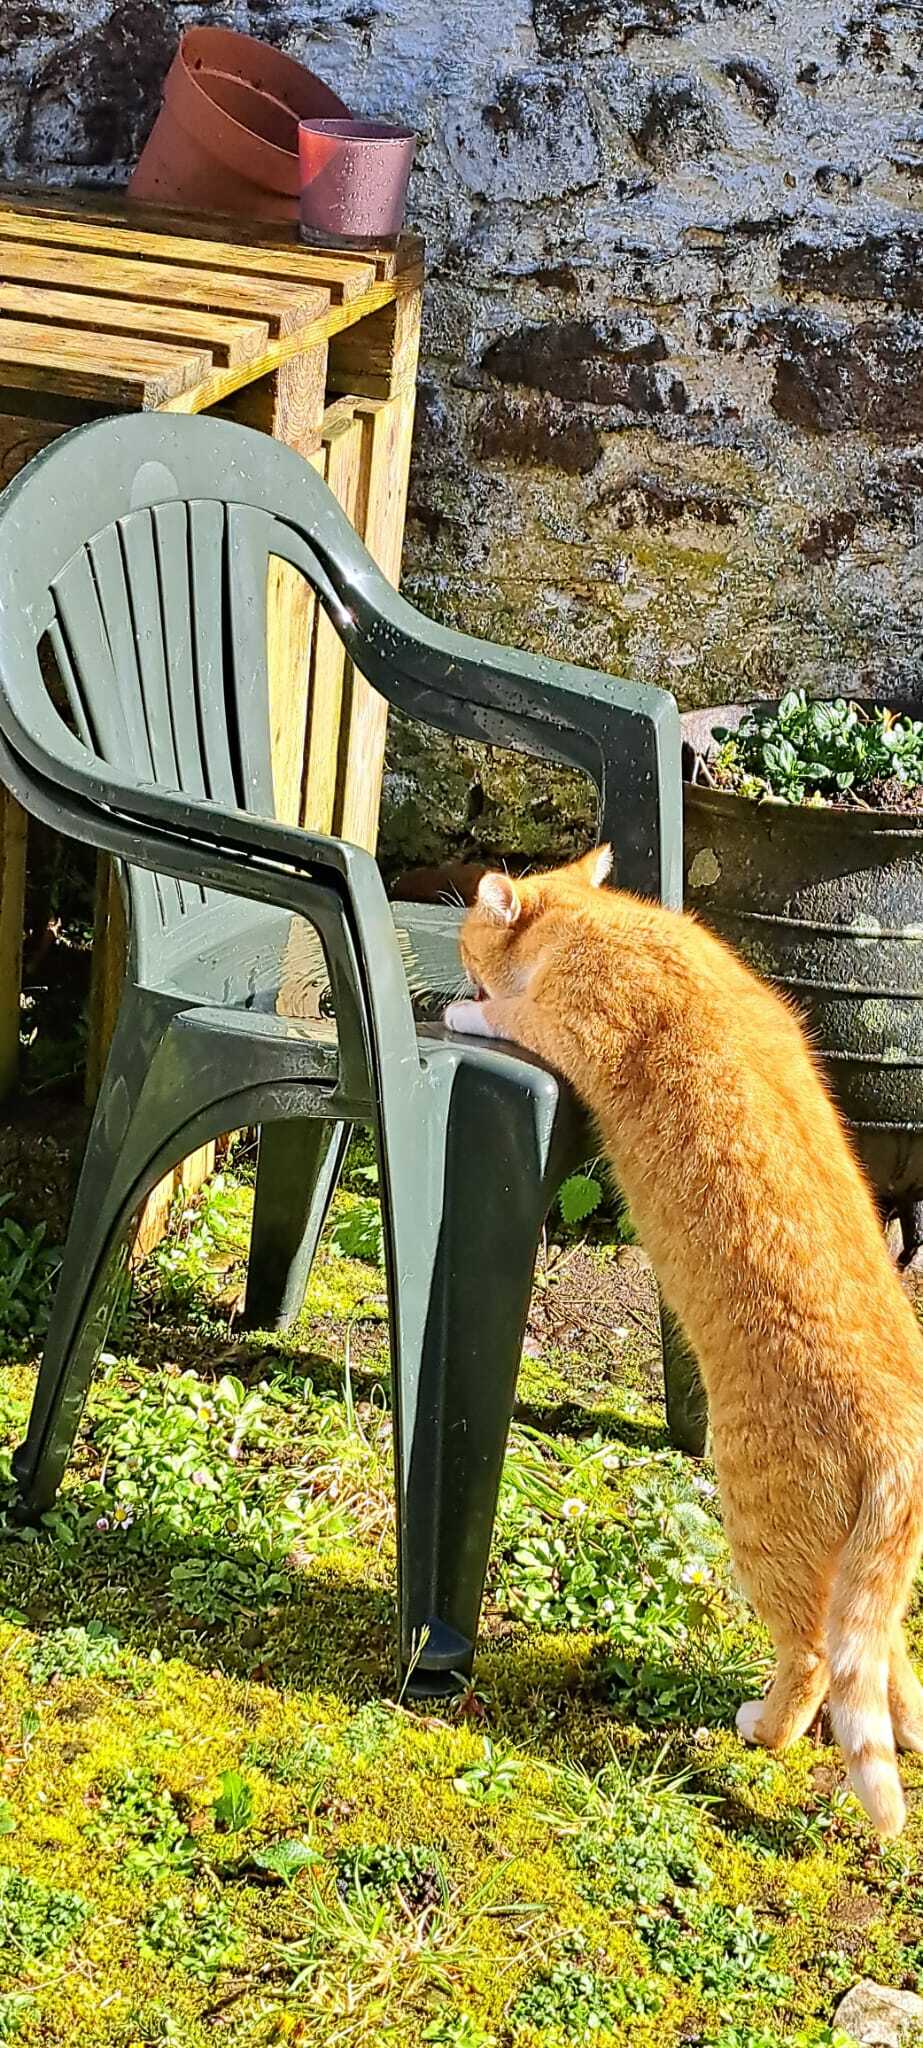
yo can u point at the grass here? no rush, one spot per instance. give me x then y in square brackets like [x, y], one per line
[218, 1823]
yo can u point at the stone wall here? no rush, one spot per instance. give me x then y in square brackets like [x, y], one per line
[671, 416]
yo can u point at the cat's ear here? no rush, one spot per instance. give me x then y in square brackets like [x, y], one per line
[596, 867]
[498, 897]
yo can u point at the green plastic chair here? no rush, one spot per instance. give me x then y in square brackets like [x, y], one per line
[135, 550]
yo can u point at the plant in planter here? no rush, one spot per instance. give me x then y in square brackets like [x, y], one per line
[803, 828]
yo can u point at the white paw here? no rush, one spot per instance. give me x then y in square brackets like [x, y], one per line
[749, 1716]
[468, 1018]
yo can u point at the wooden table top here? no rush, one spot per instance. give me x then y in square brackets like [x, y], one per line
[131, 306]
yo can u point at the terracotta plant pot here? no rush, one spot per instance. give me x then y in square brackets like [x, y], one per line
[226, 137]
[353, 180]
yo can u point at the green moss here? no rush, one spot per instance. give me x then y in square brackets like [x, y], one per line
[613, 1857]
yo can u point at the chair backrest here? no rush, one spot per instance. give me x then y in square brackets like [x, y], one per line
[138, 551]
[152, 601]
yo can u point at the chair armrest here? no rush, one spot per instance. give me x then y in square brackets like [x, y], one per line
[625, 736]
[334, 886]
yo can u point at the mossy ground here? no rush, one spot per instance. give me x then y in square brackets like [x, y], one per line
[578, 1850]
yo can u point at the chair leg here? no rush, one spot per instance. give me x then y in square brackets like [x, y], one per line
[76, 1336]
[299, 1166]
[165, 1091]
[465, 1253]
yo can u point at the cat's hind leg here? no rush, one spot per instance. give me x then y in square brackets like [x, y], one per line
[905, 1697]
[794, 1698]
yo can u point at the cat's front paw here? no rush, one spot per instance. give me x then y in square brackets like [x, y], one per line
[750, 1720]
[468, 1018]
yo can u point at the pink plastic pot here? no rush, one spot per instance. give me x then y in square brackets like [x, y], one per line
[353, 180]
[226, 137]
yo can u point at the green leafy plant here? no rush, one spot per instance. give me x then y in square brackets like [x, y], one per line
[574, 2001]
[15, 2007]
[153, 2026]
[285, 1859]
[28, 1269]
[649, 1579]
[634, 1839]
[579, 1197]
[809, 751]
[357, 1231]
[720, 1947]
[207, 1243]
[458, 2031]
[188, 1457]
[233, 1808]
[369, 1730]
[201, 1940]
[77, 1652]
[139, 1817]
[35, 1919]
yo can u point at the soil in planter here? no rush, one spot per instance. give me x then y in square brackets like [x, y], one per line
[887, 794]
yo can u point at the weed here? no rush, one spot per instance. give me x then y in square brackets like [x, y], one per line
[208, 1240]
[414, 1876]
[493, 1777]
[153, 2026]
[233, 1808]
[289, 1763]
[459, 2031]
[370, 1730]
[579, 1197]
[187, 1458]
[632, 1838]
[649, 1577]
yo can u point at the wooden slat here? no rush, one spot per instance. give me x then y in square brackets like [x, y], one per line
[109, 371]
[345, 277]
[121, 209]
[379, 357]
[286, 308]
[224, 382]
[380, 520]
[228, 341]
[343, 445]
[107, 973]
[21, 437]
[290, 610]
[295, 405]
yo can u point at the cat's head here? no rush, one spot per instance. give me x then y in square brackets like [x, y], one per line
[505, 930]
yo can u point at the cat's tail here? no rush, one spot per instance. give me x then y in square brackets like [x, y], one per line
[867, 1604]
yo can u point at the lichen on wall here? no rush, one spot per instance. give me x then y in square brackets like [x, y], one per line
[671, 410]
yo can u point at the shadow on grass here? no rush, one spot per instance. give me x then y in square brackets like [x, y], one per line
[575, 1419]
[317, 1627]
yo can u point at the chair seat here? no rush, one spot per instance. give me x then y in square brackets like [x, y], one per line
[254, 958]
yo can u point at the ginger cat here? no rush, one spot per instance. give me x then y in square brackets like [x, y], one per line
[767, 1245]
